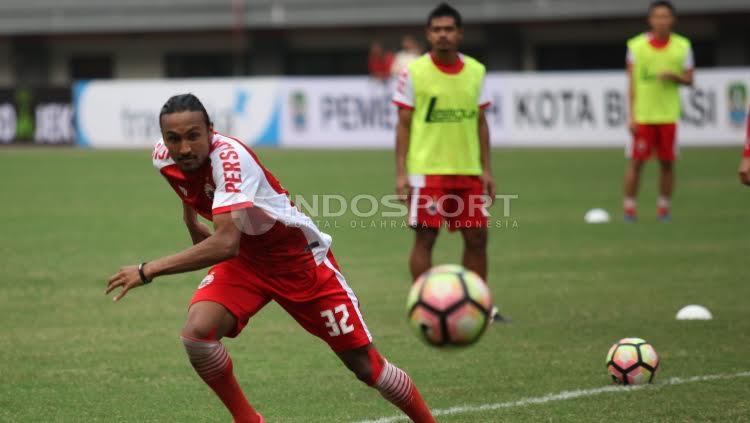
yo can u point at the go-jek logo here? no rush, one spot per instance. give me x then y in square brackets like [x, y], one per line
[435, 115]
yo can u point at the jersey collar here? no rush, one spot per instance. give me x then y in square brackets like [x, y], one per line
[451, 69]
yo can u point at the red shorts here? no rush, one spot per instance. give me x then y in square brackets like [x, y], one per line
[649, 138]
[454, 201]
[319, 299]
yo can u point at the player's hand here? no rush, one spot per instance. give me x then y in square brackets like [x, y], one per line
[402, 187]
[633, 127]
[669, 76]
[488, 186]
[744, 170]
[128, 278]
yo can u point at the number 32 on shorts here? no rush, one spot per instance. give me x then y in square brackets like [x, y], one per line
[336, 328]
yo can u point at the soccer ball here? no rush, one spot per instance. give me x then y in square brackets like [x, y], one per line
[449, 305]
[632, 361]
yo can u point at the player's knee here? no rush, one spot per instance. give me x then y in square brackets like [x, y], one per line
[363, 373]
[666, 166]
[199, 330]
[366, 364]
[476, 240]
[636, 165]
[426, 239]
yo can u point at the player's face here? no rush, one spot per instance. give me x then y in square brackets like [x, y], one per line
[443, 34]
[661, 20]
[187, 138]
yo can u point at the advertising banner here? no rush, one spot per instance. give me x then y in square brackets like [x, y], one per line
[528, 109]
[346, 112]
[556, 109]
[39, 115]
[124, 113]
[590, 108]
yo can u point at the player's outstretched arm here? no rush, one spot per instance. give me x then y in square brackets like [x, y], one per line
[223, 244]
[198, 231]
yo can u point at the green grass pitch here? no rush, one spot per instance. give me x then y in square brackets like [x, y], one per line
[70, 218]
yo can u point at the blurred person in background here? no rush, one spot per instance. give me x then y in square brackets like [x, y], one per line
[410, 51]
[744, 169]
[658, 62]
[379, 61]
[443, 145]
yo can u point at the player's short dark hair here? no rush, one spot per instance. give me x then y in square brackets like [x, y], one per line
[662, 3]
[443, 10]
[184, 103]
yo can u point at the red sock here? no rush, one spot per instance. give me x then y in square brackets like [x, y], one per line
[212, 363]
[396, 386]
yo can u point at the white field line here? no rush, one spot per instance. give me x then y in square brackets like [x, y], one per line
[563, 396]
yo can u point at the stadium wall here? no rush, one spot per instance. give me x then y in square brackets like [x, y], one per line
[529, 109]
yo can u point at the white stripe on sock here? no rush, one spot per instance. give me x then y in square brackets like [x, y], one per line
[209, 358]
[395, 385]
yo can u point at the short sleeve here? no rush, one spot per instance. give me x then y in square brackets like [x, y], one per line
[403, 96]
[629, 57]
[689, 62]
[237, 177]
[484, 95]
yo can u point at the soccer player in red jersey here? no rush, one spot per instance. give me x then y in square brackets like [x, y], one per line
[744, 169]
[261, 249]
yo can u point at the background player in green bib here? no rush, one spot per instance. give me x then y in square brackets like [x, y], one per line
[442, 145]
[658, 62]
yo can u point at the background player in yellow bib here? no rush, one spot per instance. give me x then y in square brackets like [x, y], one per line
[442, 145]
[658, 62]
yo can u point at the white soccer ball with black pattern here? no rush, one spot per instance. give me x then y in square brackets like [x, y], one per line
[449, 305]
[632, 361]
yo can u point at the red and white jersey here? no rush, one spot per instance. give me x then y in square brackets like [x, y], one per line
[403, 96]
[275, 234]
[746, 153]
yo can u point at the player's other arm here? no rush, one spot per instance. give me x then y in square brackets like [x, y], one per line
[632, 124]
[222, 245]
[485, 155]
[744, 171]
[403, 131]
[686, 77]
[198, 230]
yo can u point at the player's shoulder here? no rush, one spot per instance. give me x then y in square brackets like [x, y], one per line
[160, 156]
[637, 39]
[681, 39]
[226, 149]
[221, 143]
[420, 62]
[472, 62]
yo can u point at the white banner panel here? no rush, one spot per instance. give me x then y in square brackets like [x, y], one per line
[125, 113]
[590, 108]
[337, 112]
[529, 109]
